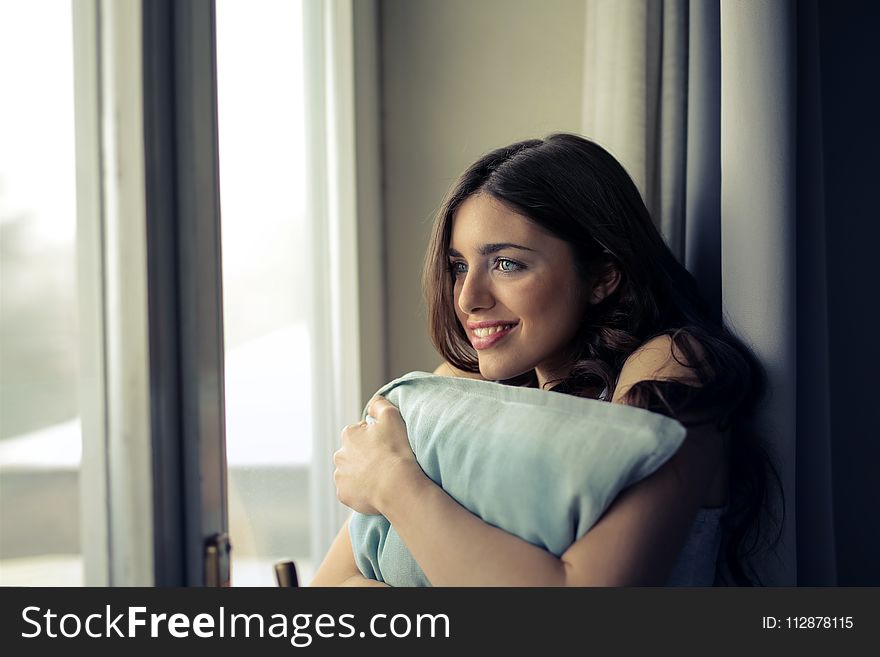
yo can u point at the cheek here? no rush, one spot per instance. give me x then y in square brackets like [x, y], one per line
[538, 298]
[554, 306]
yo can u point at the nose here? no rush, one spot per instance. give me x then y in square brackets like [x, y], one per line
[475, 293]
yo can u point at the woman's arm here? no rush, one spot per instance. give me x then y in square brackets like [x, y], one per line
[635, 543]
[455, 547]
[339, 567]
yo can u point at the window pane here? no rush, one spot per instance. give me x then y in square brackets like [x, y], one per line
[265, 264]
[39, 423]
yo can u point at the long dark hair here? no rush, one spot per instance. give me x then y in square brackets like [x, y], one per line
[574, 189]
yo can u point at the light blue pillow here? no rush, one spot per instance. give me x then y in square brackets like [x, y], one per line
[541, 465]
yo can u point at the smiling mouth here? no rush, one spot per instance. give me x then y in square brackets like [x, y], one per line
[491, 330]
[485, 338]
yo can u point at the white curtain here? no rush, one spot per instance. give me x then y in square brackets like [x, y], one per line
[635, 99]
[699, 102]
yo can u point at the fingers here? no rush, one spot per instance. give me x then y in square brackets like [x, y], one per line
[376, 409]
[379, 406]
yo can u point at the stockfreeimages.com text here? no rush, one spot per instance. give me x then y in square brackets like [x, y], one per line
[135, 622]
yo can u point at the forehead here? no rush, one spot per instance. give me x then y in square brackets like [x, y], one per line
[483, 219]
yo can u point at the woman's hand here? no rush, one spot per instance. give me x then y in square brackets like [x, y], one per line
[374, 460]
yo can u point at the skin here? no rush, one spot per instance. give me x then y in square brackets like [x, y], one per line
[639, 536]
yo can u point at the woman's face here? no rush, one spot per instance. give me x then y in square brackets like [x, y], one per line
[517, 293]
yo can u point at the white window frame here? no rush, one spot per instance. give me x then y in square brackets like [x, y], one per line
[116, 474]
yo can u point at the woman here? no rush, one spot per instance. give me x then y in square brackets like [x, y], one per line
[545, 270]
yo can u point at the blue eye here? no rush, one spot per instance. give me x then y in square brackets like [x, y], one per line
[507, 265]
[457, 267]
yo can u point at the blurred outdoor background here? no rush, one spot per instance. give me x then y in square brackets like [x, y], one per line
[263, 190]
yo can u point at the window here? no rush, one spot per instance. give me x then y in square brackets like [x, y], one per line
[40, 436]
[125, 414]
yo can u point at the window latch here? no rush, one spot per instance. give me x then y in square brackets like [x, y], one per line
[217, 549]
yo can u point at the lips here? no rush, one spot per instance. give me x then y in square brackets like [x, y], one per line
[490, 333]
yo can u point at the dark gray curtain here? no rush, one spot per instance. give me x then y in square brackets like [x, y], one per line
[773, 159]
[702, 229]
[815, 513]
[838, 351]
[798, 242]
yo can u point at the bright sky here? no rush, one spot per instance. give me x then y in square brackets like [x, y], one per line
[37, 165]
[260, 107]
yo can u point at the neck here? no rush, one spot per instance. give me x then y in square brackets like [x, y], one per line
[545, 376]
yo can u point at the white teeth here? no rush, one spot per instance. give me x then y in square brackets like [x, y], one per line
[486, 332]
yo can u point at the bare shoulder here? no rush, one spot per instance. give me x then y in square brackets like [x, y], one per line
[658, 359]
[639, 537]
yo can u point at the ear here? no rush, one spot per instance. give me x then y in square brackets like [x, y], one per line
[605, 284]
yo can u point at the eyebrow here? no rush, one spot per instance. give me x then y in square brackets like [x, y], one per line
[488, 249]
